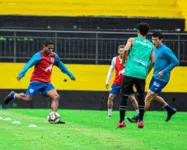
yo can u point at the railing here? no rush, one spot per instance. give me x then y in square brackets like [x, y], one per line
[76, 46]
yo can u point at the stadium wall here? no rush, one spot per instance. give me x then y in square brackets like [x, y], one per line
[88, 92]
[88, 22]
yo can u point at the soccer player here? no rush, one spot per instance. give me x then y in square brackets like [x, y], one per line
[43, 62]
[140, 52]
[165, 61]
[116, 86]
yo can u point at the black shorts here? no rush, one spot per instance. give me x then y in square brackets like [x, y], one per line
[129, 82]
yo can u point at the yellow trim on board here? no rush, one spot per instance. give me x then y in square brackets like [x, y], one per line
[89, 78]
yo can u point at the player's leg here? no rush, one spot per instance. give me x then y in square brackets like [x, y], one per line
[20, 96]
[54, 99]
[52, 93]
[110, 104]
[170, 110]
[156, 87]
[140, 86]
[147, 103]
[135, 106]
[160, 100]
[126, 89]
[115, 89]
[23, 96]
[148, 99]
[31, 91]
[134, 103]
[150, 94]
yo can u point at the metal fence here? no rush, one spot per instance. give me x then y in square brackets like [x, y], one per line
[76, 46]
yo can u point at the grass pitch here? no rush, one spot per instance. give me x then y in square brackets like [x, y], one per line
[91, 130]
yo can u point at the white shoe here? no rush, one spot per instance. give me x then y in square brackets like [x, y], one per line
[109, 116]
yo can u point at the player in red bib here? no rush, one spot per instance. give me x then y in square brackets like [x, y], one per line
[116, 86]
[40, 81]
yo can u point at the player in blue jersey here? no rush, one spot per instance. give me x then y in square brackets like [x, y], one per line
[165, 61]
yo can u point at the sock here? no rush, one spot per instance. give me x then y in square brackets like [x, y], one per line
[137, 111]
[141, 106]
[109, 112]
[122, 114]
[123, 107]
[168, 108]
[13, 95]
[137, 117]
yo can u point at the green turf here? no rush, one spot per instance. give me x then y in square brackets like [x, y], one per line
[91, 130]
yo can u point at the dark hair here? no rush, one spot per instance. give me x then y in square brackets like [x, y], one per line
[48, 42]
[143, 28]
[158, 35]
[121, 46]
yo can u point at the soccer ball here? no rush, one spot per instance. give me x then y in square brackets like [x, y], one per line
[53, 117]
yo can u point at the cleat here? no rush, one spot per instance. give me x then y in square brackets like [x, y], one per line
[121, 125]
[109, 116]
[61, 122]
[132, 120]
[9, 97]
[170, 114]
[140, 124]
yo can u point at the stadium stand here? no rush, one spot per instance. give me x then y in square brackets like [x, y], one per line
[88, 14]
[182, 4]
[158, 8]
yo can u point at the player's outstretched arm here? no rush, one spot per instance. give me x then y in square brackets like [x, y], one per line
[110, 72]
[34, 60]
[152, 61]
[173, 61]
[63, 68]
[127, 48]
